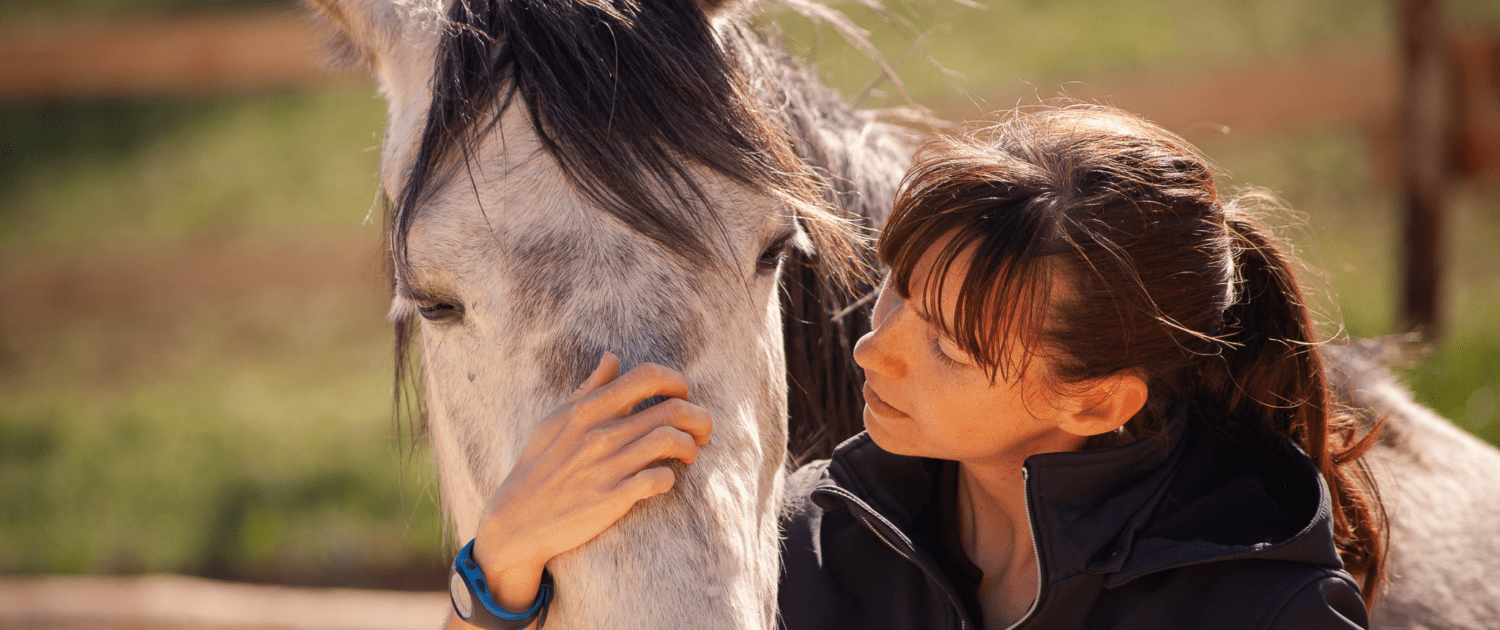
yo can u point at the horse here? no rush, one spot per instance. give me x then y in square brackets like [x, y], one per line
[568, 178]
[1441, 493]
[572, 176]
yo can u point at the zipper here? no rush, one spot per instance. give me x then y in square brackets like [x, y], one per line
[885, 540]
[864, 512]
[962, 624]
[1035, 550]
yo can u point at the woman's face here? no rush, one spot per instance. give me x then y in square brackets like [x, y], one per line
[926, 397]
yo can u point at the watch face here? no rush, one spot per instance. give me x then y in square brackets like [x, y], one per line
[463, 600]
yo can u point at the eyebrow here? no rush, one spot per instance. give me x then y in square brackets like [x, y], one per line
[920, 311]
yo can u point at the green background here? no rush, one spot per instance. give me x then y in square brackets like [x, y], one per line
[182, 390]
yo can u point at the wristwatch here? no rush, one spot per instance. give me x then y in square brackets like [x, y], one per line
[473, 602]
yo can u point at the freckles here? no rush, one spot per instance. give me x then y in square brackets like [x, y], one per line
[974, 395]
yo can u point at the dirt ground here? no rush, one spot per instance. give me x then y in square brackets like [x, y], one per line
[153, 602]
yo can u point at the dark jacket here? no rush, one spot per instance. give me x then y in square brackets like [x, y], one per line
[1176, 532]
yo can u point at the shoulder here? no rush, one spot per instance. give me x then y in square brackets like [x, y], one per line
[801, 482]
[1245, 594]
[1323, 599]
[797, 506]
[797, 503]
[808, 598]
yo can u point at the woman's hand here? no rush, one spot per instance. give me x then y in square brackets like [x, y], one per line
[584, 467]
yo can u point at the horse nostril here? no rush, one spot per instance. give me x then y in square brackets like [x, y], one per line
[647, 403]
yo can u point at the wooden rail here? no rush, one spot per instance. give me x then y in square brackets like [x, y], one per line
[188, 603]
[163, 55]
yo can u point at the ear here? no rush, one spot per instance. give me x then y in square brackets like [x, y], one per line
[724, 9]
[395, 40]
[379, 35]
[1103, 405]
[356, 29]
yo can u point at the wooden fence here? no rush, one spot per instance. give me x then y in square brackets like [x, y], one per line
[153, 602]
[163, 55]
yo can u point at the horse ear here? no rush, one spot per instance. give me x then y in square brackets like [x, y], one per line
[717, 9]
[361, 33]
[712, 8]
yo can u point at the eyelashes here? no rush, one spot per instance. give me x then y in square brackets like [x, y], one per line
[937, 349]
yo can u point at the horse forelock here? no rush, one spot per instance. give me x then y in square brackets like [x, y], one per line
[624, 95]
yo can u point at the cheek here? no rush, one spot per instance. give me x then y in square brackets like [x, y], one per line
[945, 405]
[965, 395]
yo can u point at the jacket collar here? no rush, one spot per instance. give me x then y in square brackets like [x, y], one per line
[1178, 498]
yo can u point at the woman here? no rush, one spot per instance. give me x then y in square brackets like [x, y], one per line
[1094, 399]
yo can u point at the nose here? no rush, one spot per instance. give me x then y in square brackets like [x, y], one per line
[874, 351]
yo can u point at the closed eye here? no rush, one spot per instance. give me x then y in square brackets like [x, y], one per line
[937, 349]
[436, 306]
[954, 360]
[441, 312]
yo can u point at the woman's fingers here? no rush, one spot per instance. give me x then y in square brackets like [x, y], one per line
[663, 442]
[648, 483]
[678, 416]
[681, 415]
[674, 433]
[606, 371]
[624, 393]
[590, 462]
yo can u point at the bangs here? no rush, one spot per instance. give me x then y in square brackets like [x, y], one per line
[1004, 229]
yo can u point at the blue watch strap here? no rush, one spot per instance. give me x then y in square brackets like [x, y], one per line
[489, 614]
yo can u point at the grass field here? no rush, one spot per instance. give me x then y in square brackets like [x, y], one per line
[194, 368]
[194, 376]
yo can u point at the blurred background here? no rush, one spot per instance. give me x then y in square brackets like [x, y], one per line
[195, 367]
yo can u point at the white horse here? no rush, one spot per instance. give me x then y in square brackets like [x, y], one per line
[575, 176]
[570, 178]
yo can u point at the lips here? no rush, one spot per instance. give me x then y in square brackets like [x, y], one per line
[879, 406]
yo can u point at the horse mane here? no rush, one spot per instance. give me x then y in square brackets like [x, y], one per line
[824, 402]
[859, 163]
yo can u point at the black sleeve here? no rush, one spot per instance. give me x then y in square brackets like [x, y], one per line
[1329, 603]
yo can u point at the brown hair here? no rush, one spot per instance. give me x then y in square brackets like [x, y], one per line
[1155, 273]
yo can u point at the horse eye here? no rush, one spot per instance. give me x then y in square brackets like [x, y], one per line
[441, 313]
[770, 258]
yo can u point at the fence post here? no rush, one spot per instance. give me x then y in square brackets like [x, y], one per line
[1425, 128]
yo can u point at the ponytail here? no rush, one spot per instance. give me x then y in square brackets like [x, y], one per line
[1273, 379]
